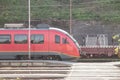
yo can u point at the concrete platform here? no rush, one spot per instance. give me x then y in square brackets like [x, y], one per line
[95, 71]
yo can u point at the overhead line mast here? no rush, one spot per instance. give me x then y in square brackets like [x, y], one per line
[70, 25]
[29, 32]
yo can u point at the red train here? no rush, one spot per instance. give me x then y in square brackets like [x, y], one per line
[46, 43]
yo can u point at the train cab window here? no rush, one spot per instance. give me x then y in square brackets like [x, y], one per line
[64, 41]
[37, 39]
[57, 39]
[5, 39]
[20, 39]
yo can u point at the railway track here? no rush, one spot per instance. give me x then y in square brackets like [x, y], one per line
[98, 59]
[34, 70]
[55, 70]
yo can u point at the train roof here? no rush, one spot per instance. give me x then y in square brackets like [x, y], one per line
[38, 27]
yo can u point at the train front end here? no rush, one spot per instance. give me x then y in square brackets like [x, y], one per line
[68, 47]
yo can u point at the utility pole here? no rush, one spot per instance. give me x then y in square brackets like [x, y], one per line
[70, 25]
[29, 31]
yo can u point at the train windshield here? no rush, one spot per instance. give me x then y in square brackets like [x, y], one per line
[74, 41]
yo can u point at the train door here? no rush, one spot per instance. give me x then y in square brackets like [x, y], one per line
[55, 42]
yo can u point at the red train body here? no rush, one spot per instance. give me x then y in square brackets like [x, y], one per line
[46, 43]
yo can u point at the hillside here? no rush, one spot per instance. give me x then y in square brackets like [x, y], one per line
[107, 11]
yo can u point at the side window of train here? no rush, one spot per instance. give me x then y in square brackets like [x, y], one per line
[57, 39]
[37, 39]
[5, 39]
[20, 39]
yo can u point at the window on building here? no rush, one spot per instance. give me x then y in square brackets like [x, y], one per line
[57, 39]
[5, 39]
[20, 39]
[37, 39]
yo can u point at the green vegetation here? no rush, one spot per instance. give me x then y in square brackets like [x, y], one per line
[100, 10]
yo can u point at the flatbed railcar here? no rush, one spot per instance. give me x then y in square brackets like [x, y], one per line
[98, 51]
[46, 43]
